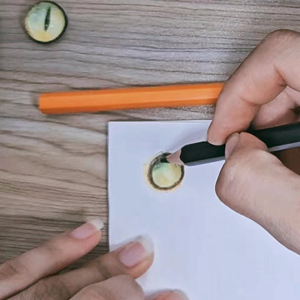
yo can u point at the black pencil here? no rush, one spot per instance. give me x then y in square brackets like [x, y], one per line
[276, 139]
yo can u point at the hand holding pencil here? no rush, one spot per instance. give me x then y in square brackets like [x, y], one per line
[264, 92]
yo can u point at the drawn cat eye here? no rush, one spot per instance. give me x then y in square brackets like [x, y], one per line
[163, 175]
[46, 22]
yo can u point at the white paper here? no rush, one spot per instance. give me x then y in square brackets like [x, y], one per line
[201, 246]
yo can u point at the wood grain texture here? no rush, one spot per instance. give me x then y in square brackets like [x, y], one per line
[53, 169]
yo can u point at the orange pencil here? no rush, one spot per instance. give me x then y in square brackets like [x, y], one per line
[129, 98]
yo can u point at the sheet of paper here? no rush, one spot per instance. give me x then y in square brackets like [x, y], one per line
[202, 247]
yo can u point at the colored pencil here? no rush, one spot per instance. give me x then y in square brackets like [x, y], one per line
[129, 98]
[276, 139]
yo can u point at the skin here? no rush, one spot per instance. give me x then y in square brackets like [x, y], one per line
[33, 275]
[264, 92]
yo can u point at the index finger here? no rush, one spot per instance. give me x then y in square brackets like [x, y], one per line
[272, 66]
[49, 258]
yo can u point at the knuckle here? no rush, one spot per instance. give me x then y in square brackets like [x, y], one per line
[117, 288]
[12, 269]
[102, 265]
[54, 248]
[49, 289]
[131, 285]
[128, 281]
[108, 266]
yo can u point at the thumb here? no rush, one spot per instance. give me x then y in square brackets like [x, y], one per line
[256, 184]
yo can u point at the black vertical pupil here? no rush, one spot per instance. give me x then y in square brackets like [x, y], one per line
[48, 18]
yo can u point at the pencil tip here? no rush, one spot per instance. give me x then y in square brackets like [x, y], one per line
[175, 158]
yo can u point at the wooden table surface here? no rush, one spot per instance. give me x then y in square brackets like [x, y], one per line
[53, 169]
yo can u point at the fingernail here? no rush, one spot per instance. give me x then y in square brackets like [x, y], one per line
[174, 295]
[231, 144]
[135, 252]
[88, 229]
[211, 137]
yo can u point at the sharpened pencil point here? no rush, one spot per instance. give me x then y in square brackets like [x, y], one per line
[175, 158]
